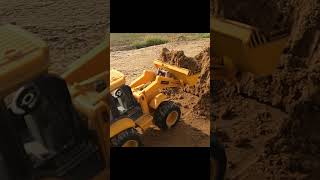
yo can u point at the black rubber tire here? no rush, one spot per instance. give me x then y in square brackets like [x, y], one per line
[220, 159]
[124, 136]
[163, 110]
[31, 92]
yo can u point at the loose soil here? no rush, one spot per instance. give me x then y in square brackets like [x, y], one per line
[71, 28]
[289, 144]
[197, 64]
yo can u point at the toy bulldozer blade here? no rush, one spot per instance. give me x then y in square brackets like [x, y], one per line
[180, 73]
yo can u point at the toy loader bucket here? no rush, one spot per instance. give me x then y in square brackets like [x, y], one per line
[179, 73]
[250, 49]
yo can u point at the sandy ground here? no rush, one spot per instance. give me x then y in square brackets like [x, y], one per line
[133, 62]
[70, 27]
[244, 126]
[193, 130]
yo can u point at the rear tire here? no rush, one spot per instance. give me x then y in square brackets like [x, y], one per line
[127, 138]
[167, 115]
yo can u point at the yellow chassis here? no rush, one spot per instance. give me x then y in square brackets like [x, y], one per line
[146, 90]
[81, 78]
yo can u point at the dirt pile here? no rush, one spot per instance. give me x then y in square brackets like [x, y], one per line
[294, 87]
[254, 12]
[198, 64]
[179, 59]
[202, 88]
[296, 147]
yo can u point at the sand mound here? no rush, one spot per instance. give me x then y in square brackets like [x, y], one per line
[255, 12]
[293, 87]
[202, 88]
[198, 64]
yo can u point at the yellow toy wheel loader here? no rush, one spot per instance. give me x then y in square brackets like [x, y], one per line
[52, 127]
[140, 105]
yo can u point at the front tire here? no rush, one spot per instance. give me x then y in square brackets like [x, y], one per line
[127, 138]
[167, 115]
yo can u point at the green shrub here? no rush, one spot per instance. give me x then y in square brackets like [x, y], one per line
[149, 42]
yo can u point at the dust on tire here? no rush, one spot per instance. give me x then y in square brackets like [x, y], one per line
[123, 137]
[162, 112]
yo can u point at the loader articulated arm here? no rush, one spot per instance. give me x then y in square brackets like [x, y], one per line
[159, 84]
[150, 83]
[180, 73]
[91, 64]
[149, 94]
[147, 88]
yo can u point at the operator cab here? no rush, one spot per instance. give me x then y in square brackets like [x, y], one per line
[53, 139]
[123, 103]
[41, 134]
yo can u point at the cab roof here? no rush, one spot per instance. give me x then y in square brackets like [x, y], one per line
[117, 79]
[23, 56]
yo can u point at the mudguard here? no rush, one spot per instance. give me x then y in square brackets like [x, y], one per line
[121, 125]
